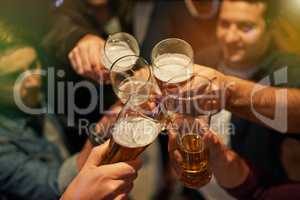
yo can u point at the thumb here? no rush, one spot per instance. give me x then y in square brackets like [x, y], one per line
[97, 154]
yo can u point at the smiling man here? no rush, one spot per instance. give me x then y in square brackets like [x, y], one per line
[247, 50]
[243, 33]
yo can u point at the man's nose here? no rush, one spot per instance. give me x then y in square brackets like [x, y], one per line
[232, 35]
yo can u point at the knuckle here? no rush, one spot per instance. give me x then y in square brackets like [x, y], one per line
[71, 55]
[81, 47]
[75, 50]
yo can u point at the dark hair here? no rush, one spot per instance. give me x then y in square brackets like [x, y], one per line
[272, 8]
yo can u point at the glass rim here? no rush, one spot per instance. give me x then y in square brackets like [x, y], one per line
[134, 109]
[167, 40]
[138, 58]
[119, 33]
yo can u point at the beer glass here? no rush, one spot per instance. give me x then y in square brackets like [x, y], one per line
[134, 130]
[189, 107]
[170, 58]
[192, 97]
[118, 45]
[131, 79]
[195, 169]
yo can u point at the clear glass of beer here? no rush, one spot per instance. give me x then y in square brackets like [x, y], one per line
[192, 97]
[195, 169]
[170, 58]
[134, 130]
[181, 87]
[131, 79]
[118, 45]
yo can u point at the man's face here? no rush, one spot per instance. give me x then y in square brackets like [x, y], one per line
[242, 32]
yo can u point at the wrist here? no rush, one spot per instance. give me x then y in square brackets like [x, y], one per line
[231, 163]
[230, 91]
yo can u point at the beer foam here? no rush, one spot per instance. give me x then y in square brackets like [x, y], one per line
[173, 68]
[137, 90]
[115, 52]
[135, 132]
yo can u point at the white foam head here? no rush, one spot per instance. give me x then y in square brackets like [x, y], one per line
[173, 67]
[135, 132]
[137, 90]
[115, 52]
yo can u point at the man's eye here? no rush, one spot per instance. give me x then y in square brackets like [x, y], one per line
[246, 27]
[224, 24]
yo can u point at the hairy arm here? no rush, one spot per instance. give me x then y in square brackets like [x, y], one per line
[264, 104]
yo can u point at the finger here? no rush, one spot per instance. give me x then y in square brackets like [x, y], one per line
[97, 154]
[176, 162]
[122, 197]
[119, 187]
[105, 74]
[125, 188]
[86, 65]
[78, 61]
[172, 144]
[123, 170]
[73, 60]
[94, 55]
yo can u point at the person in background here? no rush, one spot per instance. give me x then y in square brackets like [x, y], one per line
[33, 159]
[73, 44]
[237, 175]
[239, 178]
[247, 50]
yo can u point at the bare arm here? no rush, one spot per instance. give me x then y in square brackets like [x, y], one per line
[273, 107]
[276, 108]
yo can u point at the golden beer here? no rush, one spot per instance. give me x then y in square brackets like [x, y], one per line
[130, 137]
[195, 168]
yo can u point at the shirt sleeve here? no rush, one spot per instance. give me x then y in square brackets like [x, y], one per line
[255, 187]
[69, 23]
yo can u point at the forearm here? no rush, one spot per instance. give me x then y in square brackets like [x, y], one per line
[263, 104]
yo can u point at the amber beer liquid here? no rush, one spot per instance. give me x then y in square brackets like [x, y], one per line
[130, 137]
[195, 166]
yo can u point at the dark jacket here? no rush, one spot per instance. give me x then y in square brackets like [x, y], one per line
[70, 22]
[29, 164]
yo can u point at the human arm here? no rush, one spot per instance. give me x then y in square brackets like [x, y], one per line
[75, 38]
[269, 102]
[238, 177]
[252, 100]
